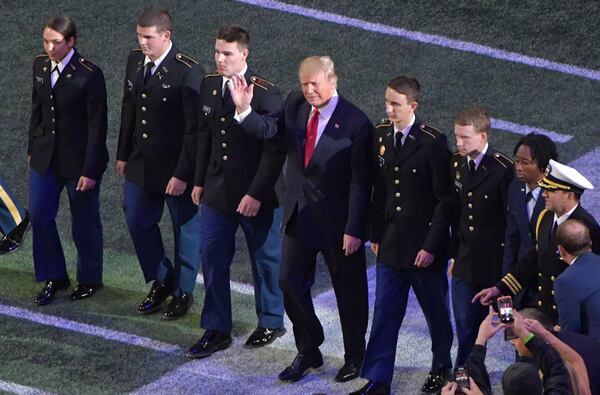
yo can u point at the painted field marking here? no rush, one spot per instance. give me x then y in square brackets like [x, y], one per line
[425, 38]
[525, 129]
[19, 389]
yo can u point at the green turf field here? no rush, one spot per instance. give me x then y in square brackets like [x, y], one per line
[66, 361]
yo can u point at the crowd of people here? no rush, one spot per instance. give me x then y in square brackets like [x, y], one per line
[309, 175]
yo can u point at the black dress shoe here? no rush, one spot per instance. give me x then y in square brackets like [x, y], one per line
[157, 295]
[302, 364]
[263, 336]
[436, 379]
[210, 342]
[13, 240]
[179, 306]
[50, 289]
[373, 388]
[83, 291]
[348, 372]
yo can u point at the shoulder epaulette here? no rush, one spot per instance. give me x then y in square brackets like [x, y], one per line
[136, 50]
[42, 55]
[213, 74]
[87, 64]
[503, 159]
[260, 82]
[186, 60]
[385, 122]
[433, 132]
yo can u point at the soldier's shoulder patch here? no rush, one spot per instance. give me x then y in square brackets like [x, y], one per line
[503, 159]
[186, 60]
[87, 64]
[260, 82]
[213, 74]
[385, 122]
[429, 130]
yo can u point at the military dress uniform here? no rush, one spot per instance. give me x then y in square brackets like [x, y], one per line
[478, 227]
[409, 212]
[237, 159]
[542, 265]
[67, 140]
[158, 140]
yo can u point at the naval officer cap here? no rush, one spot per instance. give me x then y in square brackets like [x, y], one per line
[564, 178]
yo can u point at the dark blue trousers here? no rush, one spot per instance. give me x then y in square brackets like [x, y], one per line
[468, 316]
[391, 297]
[263, 237]
[86, 228]
[143, 211]
[11, 212]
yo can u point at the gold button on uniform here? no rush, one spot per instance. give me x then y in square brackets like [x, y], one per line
[396, 169]
[222, 119]
[552, 292]
[51, 97]
[52, 108]
[144, 122]
[470, 194]
[552, 278]
[397, 182]
[224, 145]
[539, 302]
[222, 131]
[471, 228]
[53, 132]
[539, 288]
[539, 274]
[470, 218]
[143, 109]
[397, 194]
[553, 307]
[224, 157]
[398, 208]
[470, 205]
[144, 135]
[144, 96]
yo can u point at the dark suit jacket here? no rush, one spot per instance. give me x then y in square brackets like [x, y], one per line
[542, 265]
[68, 123]
[479, 217]
[331, 196]
[588, 349]
[411, 195]
[520, 231]
[238, 159]
[577, 293]
[159, 120]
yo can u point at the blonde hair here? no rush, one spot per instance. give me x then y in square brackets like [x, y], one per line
[319, 63]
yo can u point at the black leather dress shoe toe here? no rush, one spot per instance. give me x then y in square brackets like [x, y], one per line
[18, 233]
[373, 388]
[209, 343]
[263, 336]
[155, 298]
[348, 372]
[301, 365]
[8, 245]
[47, 293]
[436, 379]
[179, 306]
[83, 291]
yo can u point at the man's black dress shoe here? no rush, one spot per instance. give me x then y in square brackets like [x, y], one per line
[83, 291]
[435, 380]
[210, 342]
[348, 372]
[373, 388]
[157, 295]
[301, 365]
[13, 240]
[179, 306]
[263, 336]
[52, 287]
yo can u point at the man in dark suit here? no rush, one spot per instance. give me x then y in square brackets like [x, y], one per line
[563, 187]
[481, 177]
[156, 155]
[67, 149]
[14, 220]
[236, 173]
[325, 210]
[409, 234]
[577, 289]
[525, 202]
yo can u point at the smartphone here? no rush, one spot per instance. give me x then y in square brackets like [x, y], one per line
[461, 377]
[509, 334]
[505, 309]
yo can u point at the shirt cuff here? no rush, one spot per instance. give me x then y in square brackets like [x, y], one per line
[239, 118]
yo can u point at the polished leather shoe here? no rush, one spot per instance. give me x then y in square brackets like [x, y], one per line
[209, 343]
[47, 293]
[373, 388]
[436, 379]
[13, 240]
[157, 295]
[179, 306]
[83, 291]
[348, 372]
[263, 336]
[301, 365]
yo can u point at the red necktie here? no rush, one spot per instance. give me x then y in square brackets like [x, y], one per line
[311, 136]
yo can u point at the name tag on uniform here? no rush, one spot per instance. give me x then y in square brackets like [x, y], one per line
[40, 80]
[206, 109]
[458, 184]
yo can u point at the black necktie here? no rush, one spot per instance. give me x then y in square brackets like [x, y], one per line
[529, 196]
[398, 141]
[472, 169]
[226, 92]
[148, 72]
[554, 228]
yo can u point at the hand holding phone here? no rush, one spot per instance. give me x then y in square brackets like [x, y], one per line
[505, 309]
